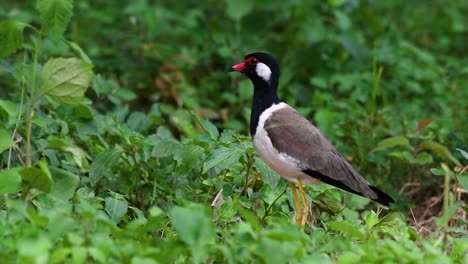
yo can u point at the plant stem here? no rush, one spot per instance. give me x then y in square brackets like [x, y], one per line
[32, 101]
[446, 197]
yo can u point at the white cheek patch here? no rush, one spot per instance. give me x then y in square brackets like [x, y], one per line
[263, 71]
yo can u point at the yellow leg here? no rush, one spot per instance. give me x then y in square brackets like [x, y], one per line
[297, 208]
[305, 208]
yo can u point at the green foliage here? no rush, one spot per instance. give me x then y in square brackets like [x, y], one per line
[11, 32]
[65, 80]
[148, 161]
[55, 16]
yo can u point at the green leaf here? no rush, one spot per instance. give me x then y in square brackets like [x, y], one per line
[463, 180]
[64, 185]
[76, 49]
[79, 156]
[189, 157]
[464, 153]
[437, 172]
[10, 180]
[66, 80]
[269, 176]
[349, 257]
[237, 9]
[208, 127]
[423, 158]
[9, 107]
[142, 260]
[194, 227]
[103, 163]
[37, 178]
[346, 228]
[163, 147]
[222, 157]
[440, 150]
[332, 206]
[6, 141]
[55, 16]
[125, 94]
[116, 208]
[11, 37]
[392, 142]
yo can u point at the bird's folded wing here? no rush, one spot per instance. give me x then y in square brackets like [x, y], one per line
[295, 136]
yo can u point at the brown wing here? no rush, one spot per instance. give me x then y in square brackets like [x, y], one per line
[294, 135]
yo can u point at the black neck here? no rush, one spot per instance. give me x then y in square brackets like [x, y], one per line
[264, 97]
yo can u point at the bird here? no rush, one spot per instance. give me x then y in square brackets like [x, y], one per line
[291, 145]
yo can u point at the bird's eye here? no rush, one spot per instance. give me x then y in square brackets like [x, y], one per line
[253, 61]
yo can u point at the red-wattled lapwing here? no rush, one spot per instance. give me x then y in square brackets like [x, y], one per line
[293, 146]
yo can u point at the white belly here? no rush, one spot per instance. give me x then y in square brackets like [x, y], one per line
[285, 165]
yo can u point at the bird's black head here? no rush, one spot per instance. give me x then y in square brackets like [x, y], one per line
[259, 67]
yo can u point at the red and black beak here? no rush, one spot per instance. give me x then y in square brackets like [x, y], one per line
[238, 67]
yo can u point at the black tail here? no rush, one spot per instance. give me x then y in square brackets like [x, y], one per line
[382, 198]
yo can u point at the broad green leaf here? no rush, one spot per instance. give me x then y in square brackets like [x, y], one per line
[440, 150]
[155, 211]
[55, 15]
[102, 86]
[183, 120]
[79, 156]
[116, 208]
[208, 127]
[32, 247]
[10, 180]
[346, 228]
[97, 254]
[268, 175]
[273, 251]
[79, 254]
[143, 260]
[11, 37]
[64, 185]
[163, 147]
[222, 157]
[371, 219]
[86, 193]
[125, 94]
[189, 157]
[66, 80]
[437, 171]
[36, 178]
[331, 205]
[194, 227]
[9, 107]
[6, 141]
[349, 257]
[60, 255]
[237, 9]
[103, 163]
[423, 158]
[392, 142]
